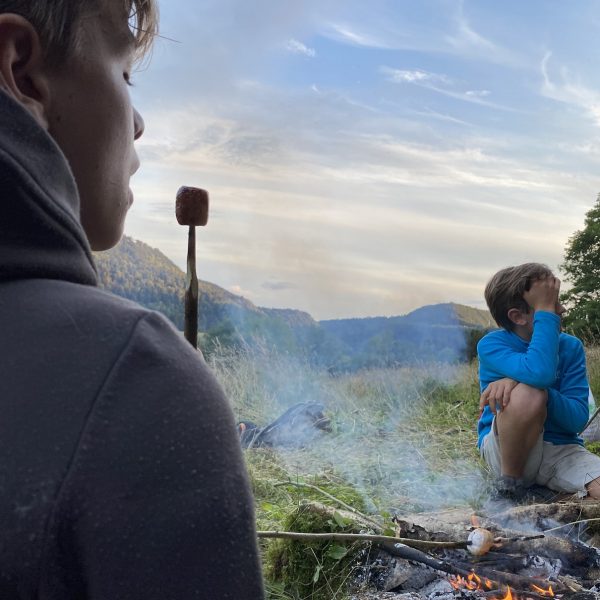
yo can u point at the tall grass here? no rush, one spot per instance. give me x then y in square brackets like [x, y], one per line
[403, 437]
[403, 440]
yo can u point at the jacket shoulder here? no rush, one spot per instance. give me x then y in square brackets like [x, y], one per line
[493, 338]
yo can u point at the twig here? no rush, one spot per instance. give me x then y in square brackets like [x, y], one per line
[572, 523]
[359, 537]
[375, 524]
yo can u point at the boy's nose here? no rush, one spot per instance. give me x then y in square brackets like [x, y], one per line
[138, 125]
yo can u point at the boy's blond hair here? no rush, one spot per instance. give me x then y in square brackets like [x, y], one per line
[506, 288]
[56, 22]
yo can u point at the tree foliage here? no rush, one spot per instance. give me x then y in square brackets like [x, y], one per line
[582, 269]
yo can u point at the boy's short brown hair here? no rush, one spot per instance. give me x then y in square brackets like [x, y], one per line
[56, 21]
[506, 288]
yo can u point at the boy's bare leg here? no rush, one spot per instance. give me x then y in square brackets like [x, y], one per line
[519, 425]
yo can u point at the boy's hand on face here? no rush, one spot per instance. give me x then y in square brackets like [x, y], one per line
[543, 294]
[497, 394]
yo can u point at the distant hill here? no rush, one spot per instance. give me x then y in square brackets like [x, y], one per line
[441, 332]
[452, 314]
[138, 272]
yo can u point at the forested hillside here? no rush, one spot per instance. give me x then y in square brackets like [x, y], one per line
[442, 332]
[138, 272]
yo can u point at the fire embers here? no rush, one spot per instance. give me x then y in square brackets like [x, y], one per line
[296, 428]
[475, 583]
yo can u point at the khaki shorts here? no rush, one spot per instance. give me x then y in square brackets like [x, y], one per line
[562, 468]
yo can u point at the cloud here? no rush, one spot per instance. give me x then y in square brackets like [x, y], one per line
[465, 37]
[568, 91]
[348, 34]
[430, 26]
[296, 47]
[441, 84]
[477, 93]
[277, 286]
[416, 76]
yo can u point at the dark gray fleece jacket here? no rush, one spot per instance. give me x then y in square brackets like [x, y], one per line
[121, 475]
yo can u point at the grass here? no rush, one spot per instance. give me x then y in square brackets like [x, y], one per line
[403, 441]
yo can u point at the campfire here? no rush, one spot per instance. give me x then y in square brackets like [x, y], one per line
[519, 554]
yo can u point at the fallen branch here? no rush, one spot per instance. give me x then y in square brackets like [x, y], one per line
[375, 524]
[359, 537]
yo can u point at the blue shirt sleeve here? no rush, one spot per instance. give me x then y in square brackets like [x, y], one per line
[568, 408]
[536, 365]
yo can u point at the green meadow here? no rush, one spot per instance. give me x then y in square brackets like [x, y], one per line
[403, 440]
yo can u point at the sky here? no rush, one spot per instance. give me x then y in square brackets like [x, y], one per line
[368, 158]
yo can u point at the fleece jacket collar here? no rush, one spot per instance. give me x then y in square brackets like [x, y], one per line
[40, 232]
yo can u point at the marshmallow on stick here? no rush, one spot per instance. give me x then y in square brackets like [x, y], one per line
[191, 208]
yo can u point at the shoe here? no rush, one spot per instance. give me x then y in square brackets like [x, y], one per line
[510, 490]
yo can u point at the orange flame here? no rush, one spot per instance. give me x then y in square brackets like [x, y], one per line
[473, 583]
[542, 591]
[508, 595]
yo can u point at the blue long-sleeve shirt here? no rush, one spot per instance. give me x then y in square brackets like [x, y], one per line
[552, 361]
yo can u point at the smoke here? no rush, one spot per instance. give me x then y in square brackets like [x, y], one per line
[381, 443]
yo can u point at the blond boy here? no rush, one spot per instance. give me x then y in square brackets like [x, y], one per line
[121, 475]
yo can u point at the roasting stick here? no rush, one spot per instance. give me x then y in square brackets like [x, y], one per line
[191, 208]
[359, 537]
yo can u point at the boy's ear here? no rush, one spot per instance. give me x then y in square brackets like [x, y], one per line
[22, 66]
[517, 316]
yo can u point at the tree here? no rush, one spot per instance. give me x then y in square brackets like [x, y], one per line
[582, 269]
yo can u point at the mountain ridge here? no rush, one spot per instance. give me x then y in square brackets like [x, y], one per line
[144, 274]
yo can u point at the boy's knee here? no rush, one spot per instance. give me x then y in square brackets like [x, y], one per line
[530, 402]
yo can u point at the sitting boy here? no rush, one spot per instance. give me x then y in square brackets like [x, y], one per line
[534, 387]
[121, 473]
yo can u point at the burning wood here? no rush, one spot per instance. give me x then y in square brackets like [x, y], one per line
[500, 564]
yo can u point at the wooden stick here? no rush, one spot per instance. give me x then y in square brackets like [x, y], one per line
[191, 292]
[358, 537]
[407, 553]
[375, 524]
[520, 538]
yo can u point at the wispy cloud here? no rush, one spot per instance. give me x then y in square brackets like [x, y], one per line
[477, 93]
[440, 84]
[568, 91]
[465, 36]
[415, 76]
[349, 34]
[296, 47]
[351, 189]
